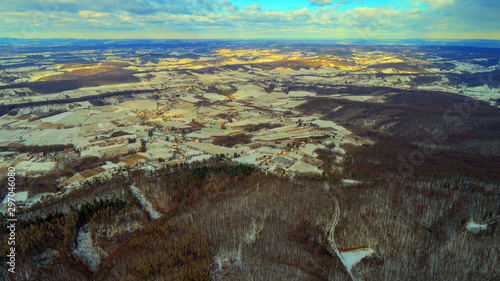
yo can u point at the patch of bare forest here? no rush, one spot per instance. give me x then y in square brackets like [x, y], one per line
[232, 140]
[443, 120]
[226, 221]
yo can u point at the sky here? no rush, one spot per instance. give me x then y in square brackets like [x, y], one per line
[250, 19]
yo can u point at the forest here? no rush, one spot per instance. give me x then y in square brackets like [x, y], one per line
[403, 173]
[38, 148]
[440, 120]
[226, 220]
[232, 140]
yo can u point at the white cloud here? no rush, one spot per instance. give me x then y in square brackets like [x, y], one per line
[222, 17]
[91, 14]
[438, 3]
[254, 7]
[320, 2]
[228, 6]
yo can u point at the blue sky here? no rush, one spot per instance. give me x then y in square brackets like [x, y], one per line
[287, 5]
[204, 19]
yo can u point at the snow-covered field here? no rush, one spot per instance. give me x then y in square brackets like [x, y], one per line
[199, 158]
[139, 104]
[248, 159]
[303, 167]
[358, 98]
[56, 118]
[248, 91]
[296, 94]
[310, 148]
[214, 96]
[35, 167]
[215, 149]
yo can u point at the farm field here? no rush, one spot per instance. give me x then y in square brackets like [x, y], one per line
[251, 160]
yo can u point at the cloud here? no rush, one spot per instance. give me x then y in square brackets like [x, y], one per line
[438, 3]
[320, 2]
[228, 6]
[221, 18]
[231, 8]
[141, 7]
[91, 14]
[208, 5]
[254, 7]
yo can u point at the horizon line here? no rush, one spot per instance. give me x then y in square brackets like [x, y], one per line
[284, 39]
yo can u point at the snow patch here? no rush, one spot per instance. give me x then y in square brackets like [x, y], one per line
[144, 202]
[475, 227]
[296, 94]
[353, 257]
[350, 181]
[91, 256]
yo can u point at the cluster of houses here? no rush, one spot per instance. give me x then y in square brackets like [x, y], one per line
[39, 156]
[147, 114]
[13, 128]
